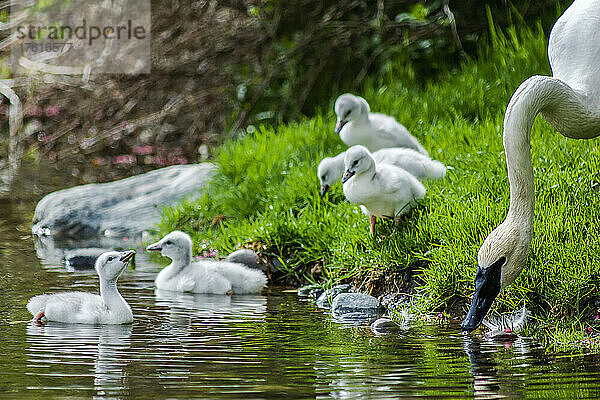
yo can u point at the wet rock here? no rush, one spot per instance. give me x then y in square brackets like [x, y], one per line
[309, 290]
[123, 208]
[355, 308]
[386, 326]
[244, 256]
[326, 298]
[80, 259]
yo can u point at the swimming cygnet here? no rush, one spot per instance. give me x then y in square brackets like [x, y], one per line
[205, 276]
[86, 308]
[382, 190]
[419, 165]
[357, 125]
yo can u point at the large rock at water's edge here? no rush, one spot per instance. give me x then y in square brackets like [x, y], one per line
[326, 298]
[355, 308]
[126, 207]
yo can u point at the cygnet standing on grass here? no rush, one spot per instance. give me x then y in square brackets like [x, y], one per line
[205, 276]
[383, 190]
[357, 125]
[419, 165]
[87, 308]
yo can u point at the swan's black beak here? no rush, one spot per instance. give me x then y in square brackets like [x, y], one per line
[324, 189]
[487, 287]
[126, 255]
[347, 175]
[154, 247]
[340, 125]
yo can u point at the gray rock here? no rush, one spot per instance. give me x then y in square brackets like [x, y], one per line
[126, 207]
[385, 326]
[244, 256]
[355, 308]
[83, 258]
[325, 300]
[310, 291]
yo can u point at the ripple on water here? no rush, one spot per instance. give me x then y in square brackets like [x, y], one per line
[272, 346]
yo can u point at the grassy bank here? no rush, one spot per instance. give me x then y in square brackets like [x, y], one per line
[265, 196]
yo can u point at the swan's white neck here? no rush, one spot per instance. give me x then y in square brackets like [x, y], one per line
[564, 109]
[176, 266]
[115, 303]
[182, 260]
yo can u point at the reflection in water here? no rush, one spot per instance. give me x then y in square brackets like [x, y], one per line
[490, 378]
[102, 350]
[51, 251]
[189, 313]
[274, 346]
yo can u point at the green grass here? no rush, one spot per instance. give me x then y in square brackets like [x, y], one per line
[265, 196]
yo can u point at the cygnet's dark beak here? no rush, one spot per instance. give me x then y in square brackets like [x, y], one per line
[154, 247]
[126, 255]
[324, 189]
[340, 125]
[487, 287]
[347, 175]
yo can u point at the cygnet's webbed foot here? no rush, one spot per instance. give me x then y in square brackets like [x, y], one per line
[229, 292]
[40, 318]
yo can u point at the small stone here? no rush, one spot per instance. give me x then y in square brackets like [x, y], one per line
[355, 308]
[385, 326]
[304, 291]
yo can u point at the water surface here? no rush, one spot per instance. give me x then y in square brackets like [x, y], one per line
[268, 346]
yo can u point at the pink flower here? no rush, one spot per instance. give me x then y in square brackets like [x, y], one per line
[588, 330]
[439, 316]
[596, 317]
[123, 124]
[142, 150]
[124, 159]
[508, 330]
[160, 161]
[52, 111]
[212, 253]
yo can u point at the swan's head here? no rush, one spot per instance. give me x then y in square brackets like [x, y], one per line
[500, 260]
[330, 171]
[111, 264]
[176, 245]
[357, 160]
[349, 107]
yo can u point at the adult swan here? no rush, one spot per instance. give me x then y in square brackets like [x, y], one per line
[570, 102]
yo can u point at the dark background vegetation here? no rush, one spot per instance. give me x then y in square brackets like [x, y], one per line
[221, 68]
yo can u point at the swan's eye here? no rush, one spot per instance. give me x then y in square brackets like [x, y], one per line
[168, 242]
[324, 177]
[355, 163]
[347, 113]
[111, 258]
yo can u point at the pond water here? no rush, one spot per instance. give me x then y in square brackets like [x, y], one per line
[269, 346]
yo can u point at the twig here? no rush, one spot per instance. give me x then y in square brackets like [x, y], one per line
[15, 123]
[452, 21]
